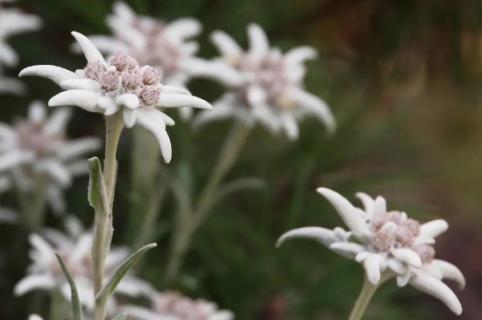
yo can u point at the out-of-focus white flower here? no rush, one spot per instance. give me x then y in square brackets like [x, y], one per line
[38, 146]
[12, 22]
[119, 84]
[75, 246]
[266, 84]
[173, 306]
[35, 317]
[387, 243]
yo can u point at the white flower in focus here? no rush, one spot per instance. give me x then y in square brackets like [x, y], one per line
[119, 85]
[266, 85]
[44, 272]
[173, 306]
[387, 243]
[12, 22]
[38, 147]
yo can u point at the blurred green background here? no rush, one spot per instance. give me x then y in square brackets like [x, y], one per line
[402, 78]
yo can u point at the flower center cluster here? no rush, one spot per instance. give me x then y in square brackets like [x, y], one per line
[394, 230]
[31, 136]
[123, 74]
[173, 304]
[269, 73]
[160, 50]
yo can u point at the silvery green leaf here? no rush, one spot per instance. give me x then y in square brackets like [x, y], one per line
[97, 194]
[76, 305]
[120, 273]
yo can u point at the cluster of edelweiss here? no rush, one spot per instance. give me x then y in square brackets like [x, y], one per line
[150, 62]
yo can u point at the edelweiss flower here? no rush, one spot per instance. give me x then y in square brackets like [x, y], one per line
[153, 42]
[35, 317]
[267, 85]
[173, 306]
[118, 85]
[12, 22]
[37, 146]
[387, 243]
[75, 246]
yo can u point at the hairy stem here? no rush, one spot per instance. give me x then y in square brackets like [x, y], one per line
[230, 151]
[103, 224]
[366, 294]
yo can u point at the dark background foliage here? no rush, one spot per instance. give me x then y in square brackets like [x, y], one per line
[402, 77]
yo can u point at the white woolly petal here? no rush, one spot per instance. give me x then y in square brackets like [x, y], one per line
[299, 55]
[123, 11]
[407, 256]
[173, 100]
[91, 53]
[433, 286]
[225, 44]
[373, 265]
[83, 84]
[108, 105]
[351, 248]
[128, 100]
[445, 270]
[220, 111]
[32, 282]
[402, 280]
[258, 42]
[12, 86]
[142, 313]
[35, 317]
[129, 116]
[397, 266]
[106, 44]
[37, 112]
[76, 148]
[8, 56]
[155, 126]
[84, 99]
[53, 73]
[290, 125]
[56, 170]
[57, 122]
[366, 200]
[313, 105]
[434, 228]
[15, 158]
[352, 216]
[174, 89]
[323, 235]
[184, 28]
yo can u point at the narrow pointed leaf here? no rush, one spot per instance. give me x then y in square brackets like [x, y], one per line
[76, 305]
[120, 273]
[97, 194]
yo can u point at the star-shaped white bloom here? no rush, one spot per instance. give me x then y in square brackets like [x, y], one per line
[266, 84]
[44, 272]
[388, 243]
[119, 84]
[38, 147]
[173, 306]
[12, 22]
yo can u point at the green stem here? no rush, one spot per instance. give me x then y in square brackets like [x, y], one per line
[230, 151]
[366, 294]
[103, 225]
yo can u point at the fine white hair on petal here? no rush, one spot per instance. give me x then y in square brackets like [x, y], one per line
[91, 53]
[128, 100]
[433, 286]
[408, 256]
[83, 84]
[173, 100]
[175, 89]
[33, 281]
[323, 235]
[300, 54]
[258, 42]
[84, 99]
[129, 116]
[352, 216]
[225, 44]
[36, 112]
[154, 125]
[433, 228]
[315, 106]
[57, 122]
[53, 73]
[373, 265]
[445, 270]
